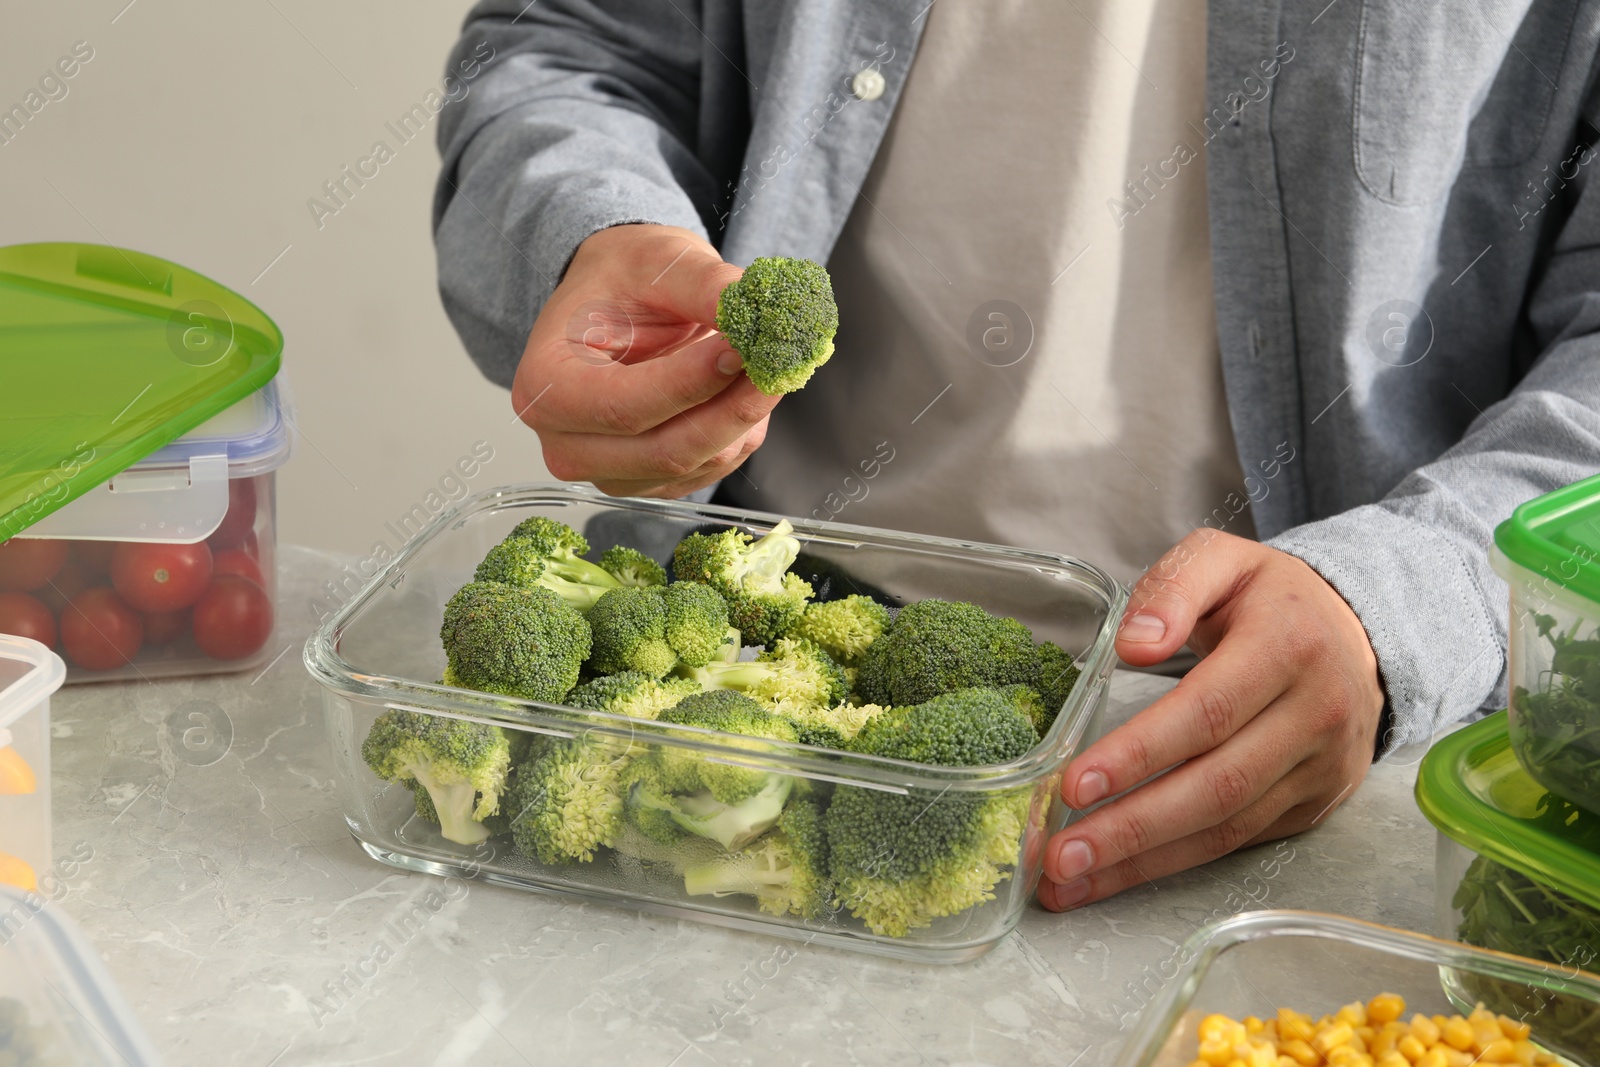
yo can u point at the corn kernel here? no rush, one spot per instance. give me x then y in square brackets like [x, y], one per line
[1500, 1050]
[1385, 1008]
[1434, 1057]
[1216, 1053]
[1253, 1026]
[1457, 1033]
[1425, 1030]
[1484, 1034]
[1331, 1037]
[1216, 1028]
[1345, 1056]
[1412, 1047]
[1455, 1058]
[1292, 1026]
[1354, 1013]
[1514, 1029]
[1393, 1059]
[1301, 1052]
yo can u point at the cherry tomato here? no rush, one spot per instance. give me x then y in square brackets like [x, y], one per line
[29, 562]
[160, 577]
[94, 555]
[100, 631]
[237, 561]
[164, 627]
[24, 616]
[241, 517]
[233, 618]
[69, 581]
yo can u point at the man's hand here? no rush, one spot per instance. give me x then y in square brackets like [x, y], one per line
[1273, 727]
[625, 378]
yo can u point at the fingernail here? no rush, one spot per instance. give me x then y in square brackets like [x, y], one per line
[1071, 894]
[1143, 629]
[729, 363]
[1093, 786]
[1074, 859]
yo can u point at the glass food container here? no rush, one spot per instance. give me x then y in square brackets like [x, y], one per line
[140, 430]
[1518, 870]
[29, 674]
[1547, 552]
[57, 1003]
[382, 651]
[1258, 962]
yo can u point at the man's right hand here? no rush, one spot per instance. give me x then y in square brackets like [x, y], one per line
[625, 378]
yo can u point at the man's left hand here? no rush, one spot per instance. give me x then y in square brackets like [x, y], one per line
[1268, 733]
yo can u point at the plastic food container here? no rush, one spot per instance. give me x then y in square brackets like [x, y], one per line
[140, 429]
[57, 1003]
[1549, 553]
[29, 673]
[1258, 962]
[1518, 869]
[382, 651]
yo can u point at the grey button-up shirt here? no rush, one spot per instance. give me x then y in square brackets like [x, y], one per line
[1406, 254]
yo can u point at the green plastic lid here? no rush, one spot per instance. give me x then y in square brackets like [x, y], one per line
[107, 355]
[1472, 788]
[1558, 535]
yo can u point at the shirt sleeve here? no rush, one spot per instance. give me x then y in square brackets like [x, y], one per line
[578, 115]
[1414, 566]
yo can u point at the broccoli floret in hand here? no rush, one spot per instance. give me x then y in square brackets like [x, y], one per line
[786, 869]
[763, 599]
[520, 642]
[780, 317]
[844, 628]
[632, 567]
[541, 552]
[939, 646]
[461, 764]
[793, 675]
[900, 861]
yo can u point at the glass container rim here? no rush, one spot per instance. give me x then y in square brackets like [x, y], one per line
[325, 663]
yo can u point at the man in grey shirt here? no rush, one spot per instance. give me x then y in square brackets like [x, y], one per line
[1360, 287]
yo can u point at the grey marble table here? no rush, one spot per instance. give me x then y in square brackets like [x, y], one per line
[246, 927]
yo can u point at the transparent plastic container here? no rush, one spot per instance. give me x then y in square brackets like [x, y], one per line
[1518, 870]
[1547, 552]
[29, 674]
[382, 651]
[57, 1003]
[1258, 962]
[83, 579]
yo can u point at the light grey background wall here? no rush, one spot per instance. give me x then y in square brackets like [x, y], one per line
[197, 132]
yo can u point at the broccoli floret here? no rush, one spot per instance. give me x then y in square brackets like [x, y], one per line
[568, 801]
[792, 676]
[938, 646]
[673, 790]
[780, 317]
[832, 727]
[629, 627]
[520, 642]
[763, 599]
[786, 869]
[632, 567]
[542, 552]
[461, 764]
[631, 693]
[900, 861]
[844, 628]
[697, 623]
[1057, 675]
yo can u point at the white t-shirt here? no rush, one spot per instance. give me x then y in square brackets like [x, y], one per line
[1028, 349]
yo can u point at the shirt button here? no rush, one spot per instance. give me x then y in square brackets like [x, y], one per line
[868, 84]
